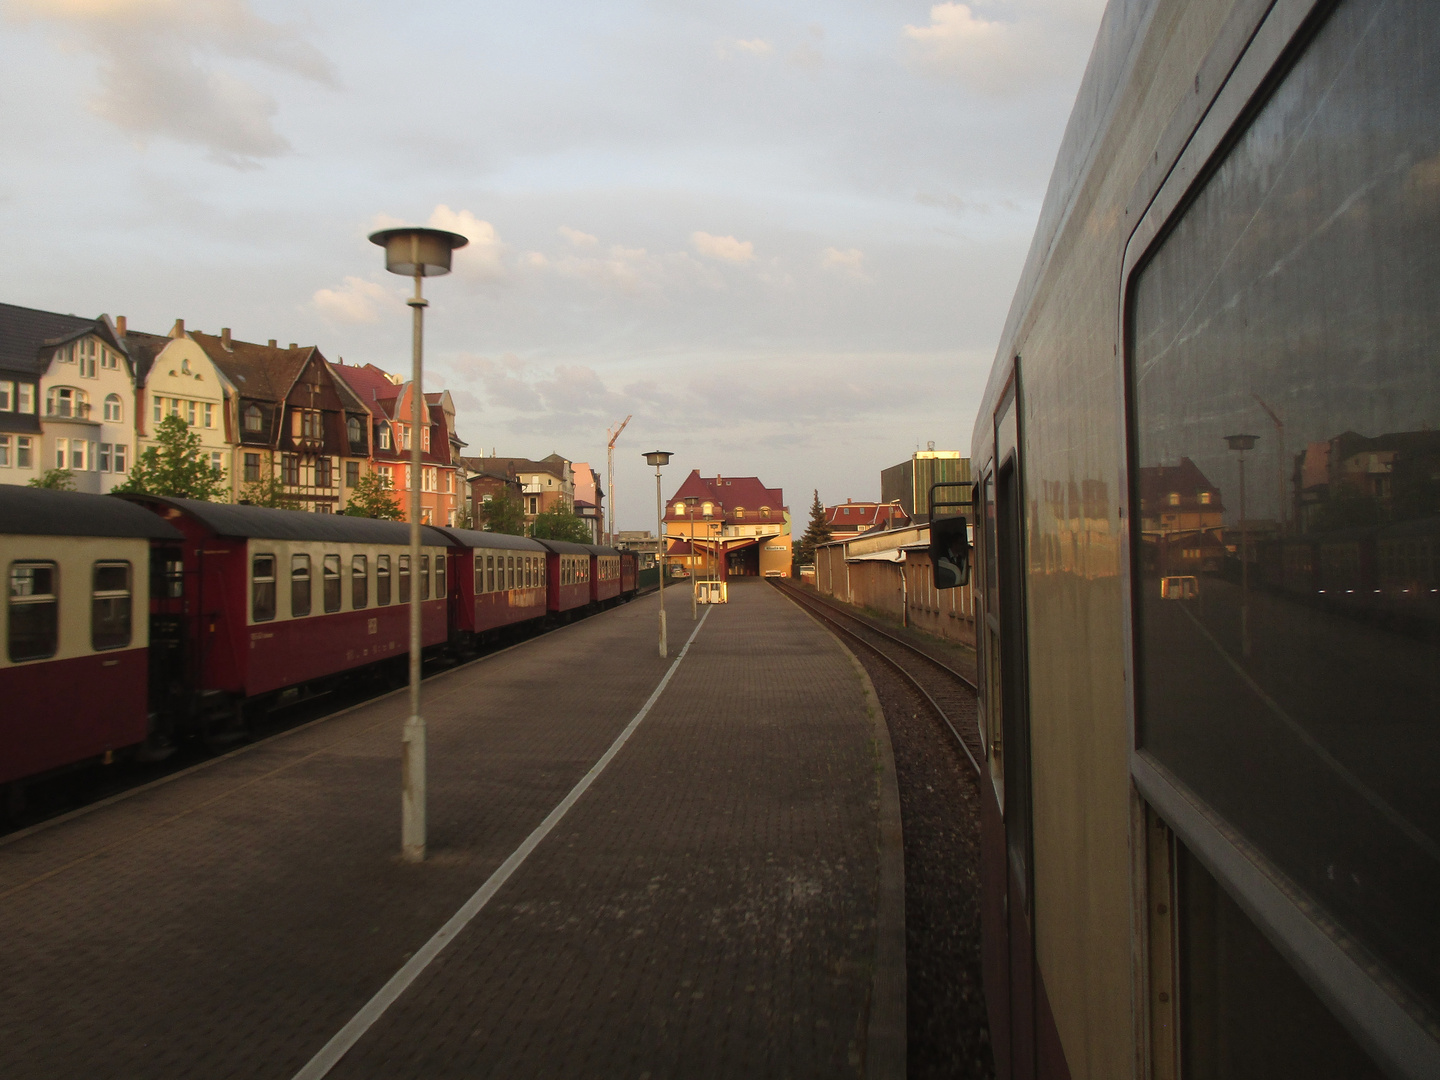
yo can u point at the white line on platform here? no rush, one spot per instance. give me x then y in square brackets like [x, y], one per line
[331, 1053]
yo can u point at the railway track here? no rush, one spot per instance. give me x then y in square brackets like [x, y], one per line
[948, 693]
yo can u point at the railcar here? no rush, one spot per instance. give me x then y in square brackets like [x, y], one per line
[604, 574]
[629, 574]
[499, 581]
[267, 600]
[568, 576]
[1210, 831]
[75, 671]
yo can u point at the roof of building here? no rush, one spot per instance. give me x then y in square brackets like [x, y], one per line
[565, 547]
[143, 349]
[27, 511]
[256, 371]
[224, 519]
[729, 492]
[554, 465]
[474, 538]
[26, 332]
[1158, 482]
[371, 385]
[863, 515]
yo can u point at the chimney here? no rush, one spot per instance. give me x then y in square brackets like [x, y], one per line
[849, 500]
[178, 330]
[272, 343]
[120, 325]
[225, 339]
[293, 345]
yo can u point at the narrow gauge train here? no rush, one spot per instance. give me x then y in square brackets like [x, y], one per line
[245, 604]
[1210, 827]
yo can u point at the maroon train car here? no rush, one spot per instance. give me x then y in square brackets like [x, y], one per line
[274, 599]
[498, 580]
[74, 671]
[604, 574]
[629, 573]
[567, 574]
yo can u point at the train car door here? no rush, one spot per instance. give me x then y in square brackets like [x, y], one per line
[1014, 723]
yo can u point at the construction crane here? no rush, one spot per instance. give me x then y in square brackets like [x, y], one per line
[1281, 517]
[614, 434]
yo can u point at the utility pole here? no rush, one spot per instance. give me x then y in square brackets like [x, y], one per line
[614, 434]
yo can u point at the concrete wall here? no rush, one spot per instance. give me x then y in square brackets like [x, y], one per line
[903, 591]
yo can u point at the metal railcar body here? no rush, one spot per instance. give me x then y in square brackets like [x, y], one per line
[1210, 827]
[74, 675]
[605, 574]
[273, 599]
[568, 576]
[499, 580]
[629, 573]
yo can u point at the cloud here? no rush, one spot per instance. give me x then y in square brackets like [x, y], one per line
[1005, 46]
[357, 301]
[158, 76]
[723, 247]
[849, 261]
[753, 47]
[576, 237]
[483, 257]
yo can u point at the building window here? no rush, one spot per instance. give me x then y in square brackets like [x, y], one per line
[403, 571]
[1174, 499]
[405, 437]
[355, 430]
[290, 469]
[174, 407]
[384, 436]
[4, 451]
[299, 585]
[1204, 498]
[7, 396]
[209, 412]
[157, 408]
[679, 509]
[352, 473]
[382, 580]
[63, 401]
[262, 588]
[110, 606]
[121, 453]
[190, 412]
[359, 582]
[87, 359]
[425, 438]
[103, 459]
[330, 574]
[322, 472]
[62, 453]
[34, 610]
[217, 460]
[113, 408]
[25, 397]
[253, 420]
[23, 447]
[252, 468]
[108, 359]
[79, 460]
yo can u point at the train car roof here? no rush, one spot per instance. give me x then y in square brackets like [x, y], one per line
[262, 522]
[565, 547]
[601, 549]
[27, 511]
[475, 538]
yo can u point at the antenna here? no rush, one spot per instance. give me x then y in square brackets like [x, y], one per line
[614, 434]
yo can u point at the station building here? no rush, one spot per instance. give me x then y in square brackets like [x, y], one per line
[852, 518]
[728, 527]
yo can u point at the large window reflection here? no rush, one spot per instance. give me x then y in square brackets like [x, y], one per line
[1286, 391]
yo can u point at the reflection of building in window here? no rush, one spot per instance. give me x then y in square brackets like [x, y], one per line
[1354, 480]
[1181, 518]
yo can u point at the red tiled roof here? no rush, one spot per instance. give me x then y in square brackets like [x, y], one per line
[1157, 482]
[371, 385]
[728, 493]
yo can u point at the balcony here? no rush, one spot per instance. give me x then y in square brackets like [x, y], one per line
[67, 410]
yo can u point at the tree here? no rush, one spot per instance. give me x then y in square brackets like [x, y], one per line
[267, 492]
[561, 522]
[463, 520]
[503, 513]
[817, 532]
[176, 467]
[54, 480]
[371, 498]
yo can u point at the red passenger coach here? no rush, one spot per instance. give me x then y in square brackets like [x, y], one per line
[605, 574]
[629, 573]
[74, 671]
[499, 580]
[274, 599]
[567, 575]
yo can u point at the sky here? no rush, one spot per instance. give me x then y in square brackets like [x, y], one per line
[782, 237]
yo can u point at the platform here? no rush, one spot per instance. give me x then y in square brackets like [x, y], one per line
[708, 907]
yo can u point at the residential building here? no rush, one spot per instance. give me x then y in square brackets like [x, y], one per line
[1181, 520]
[728, 526]
[1355, 479]
[67, 398]
[590, 499]
[909, 482]
[851, 518]
[543, 483]
[174, 376]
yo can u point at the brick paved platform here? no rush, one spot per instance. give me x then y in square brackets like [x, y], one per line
[708, 907]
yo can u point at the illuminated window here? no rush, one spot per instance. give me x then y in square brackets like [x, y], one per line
[253, 420]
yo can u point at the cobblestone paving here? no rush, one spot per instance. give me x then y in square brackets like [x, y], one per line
[706, 909]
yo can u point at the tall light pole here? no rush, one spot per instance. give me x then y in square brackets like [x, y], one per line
[1241, 443]
[417, 253]
[659, 458]
[691, 501]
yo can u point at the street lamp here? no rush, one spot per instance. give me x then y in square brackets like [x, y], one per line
[692, 501]
[418, 253]
[1241, 443]
[659, 458]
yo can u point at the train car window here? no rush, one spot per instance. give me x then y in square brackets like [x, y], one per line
[359, 581]
[262, 588]
[34, 619]
[479, 567]
[299, 585]
[330, 579]
[424, 577]
[382, 580]
[1283, 343]
[439, 576]
[489, 573]
[529, 571]
[510, 571]
[110, 606]
[404, 575]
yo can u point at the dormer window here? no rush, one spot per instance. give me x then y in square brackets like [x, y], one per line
[707, 508]
[384, 436]
[425, 439]
[254, 422]
[354, 430]
[679, 509]
[1205, 498]
[739, 513]
[1174, 498]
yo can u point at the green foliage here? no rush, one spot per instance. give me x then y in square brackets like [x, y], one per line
[561, 522]
[817, 532]
[463, 520]
[371, 498]
[54, 480]
[268, 491]
[503, 513]
[176, 467]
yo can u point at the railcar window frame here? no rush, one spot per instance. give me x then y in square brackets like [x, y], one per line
[111, 606]
[359, 582]
[301, 593]
[330, 583]
[24, 598]
[402, 572]
[262, 600]
[440, 582]
[424, 578]
[382, 580]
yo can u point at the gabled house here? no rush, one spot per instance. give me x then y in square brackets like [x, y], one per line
[67, 398]
[731, 525]
[851, 518]
[543, 483]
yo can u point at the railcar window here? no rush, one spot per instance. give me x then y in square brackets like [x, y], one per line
[1283, 352]
[110, 606]
[34, 610]
[167, 578]
[529, 571]
[330, 572]
[404, 574]
[510, 571]
[439, 577]
[479, 561]
[489, 573]
[424, 577]
[382, 580]
[359, 581]
[262, 588]
[299, 585]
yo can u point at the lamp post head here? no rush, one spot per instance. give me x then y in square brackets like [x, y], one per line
[658, 458]
[1241, 442]
[418, 252]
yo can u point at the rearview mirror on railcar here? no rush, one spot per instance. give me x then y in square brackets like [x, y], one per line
[950, 551]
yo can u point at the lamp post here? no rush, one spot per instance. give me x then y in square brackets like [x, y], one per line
[659, 458]
[417, 253]
[1241, 443]
[691, 501]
